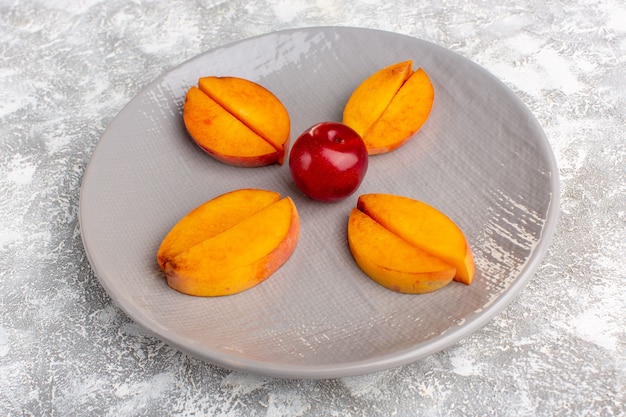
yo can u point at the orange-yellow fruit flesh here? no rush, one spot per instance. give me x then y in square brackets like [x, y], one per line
[424, 227]
[212, 218]
[391, 261]
[368, 101]
[405, 114]
[222, 135]
[240, 257]
[254, 106]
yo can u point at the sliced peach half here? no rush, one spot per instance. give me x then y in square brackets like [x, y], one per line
[230, 243]
[237, 121]
[372, 96]
[407, 245]
[423, 227]
[390, 106]
[391, 261]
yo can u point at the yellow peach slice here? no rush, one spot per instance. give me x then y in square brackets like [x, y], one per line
[424, 227]
[392, 262]
[222, 135]
[371, 97]
[239, 256]
[254, 105]
[390, 115]
[404, 116]
[212, 218]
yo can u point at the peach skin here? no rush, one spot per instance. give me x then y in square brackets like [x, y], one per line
[235, 255]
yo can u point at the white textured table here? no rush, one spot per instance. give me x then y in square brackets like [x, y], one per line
[67, 68]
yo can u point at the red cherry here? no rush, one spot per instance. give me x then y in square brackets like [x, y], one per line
[328, 161]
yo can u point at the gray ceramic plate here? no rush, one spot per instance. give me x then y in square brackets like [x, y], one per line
[481, 158]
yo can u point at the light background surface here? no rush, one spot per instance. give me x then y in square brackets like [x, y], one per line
[68, 68]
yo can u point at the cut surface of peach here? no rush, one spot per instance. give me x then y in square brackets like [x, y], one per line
[392, 262]
[212, 218]
[237, 121]
[371, 97]
[230, 243]
[254, 105]
[424, 227]
[390, 106]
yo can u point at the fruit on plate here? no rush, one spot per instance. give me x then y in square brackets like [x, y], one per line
[390, 106]
[391, 261]
[230, 243]
[407, 245]
[237, 121]
[328, 161]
